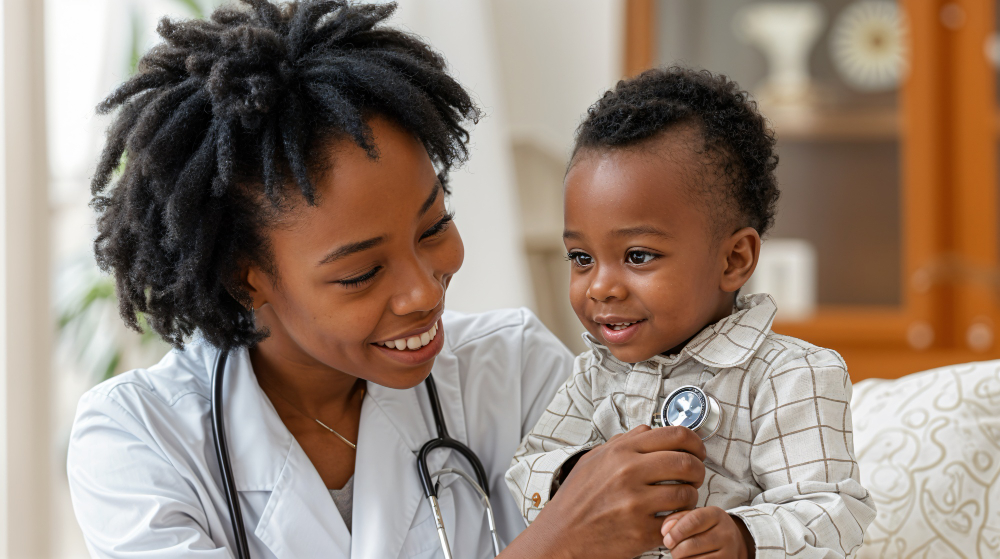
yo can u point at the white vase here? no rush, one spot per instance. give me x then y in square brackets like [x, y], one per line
[786, 33]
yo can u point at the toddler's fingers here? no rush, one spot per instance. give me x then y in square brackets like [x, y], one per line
[672, 519]
[695, 522]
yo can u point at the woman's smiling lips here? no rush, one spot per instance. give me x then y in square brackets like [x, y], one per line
[416, 347]
[619, 330]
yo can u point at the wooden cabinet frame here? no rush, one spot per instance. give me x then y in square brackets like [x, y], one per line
[949, 206]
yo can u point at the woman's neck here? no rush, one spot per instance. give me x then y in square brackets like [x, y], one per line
[317, 391]
[302, 393]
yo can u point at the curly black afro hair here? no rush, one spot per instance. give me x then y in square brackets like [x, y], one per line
[225, 121]
[737, 139]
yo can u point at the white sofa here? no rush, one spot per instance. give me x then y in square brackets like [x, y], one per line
[929, 449]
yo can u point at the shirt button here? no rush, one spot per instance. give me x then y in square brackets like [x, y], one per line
[536, 499]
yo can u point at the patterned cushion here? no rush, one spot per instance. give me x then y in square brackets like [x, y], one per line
[929, 449]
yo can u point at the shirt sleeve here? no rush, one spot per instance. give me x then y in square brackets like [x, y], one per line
[129, 500]
[813, 504]
[564, 429]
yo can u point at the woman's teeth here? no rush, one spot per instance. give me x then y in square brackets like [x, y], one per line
[620, 325]
[413, 342]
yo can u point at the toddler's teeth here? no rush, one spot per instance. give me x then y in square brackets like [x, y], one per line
[425, 338]
[413, 342]
[400, 344]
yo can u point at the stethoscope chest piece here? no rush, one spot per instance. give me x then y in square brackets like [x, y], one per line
[691, 407]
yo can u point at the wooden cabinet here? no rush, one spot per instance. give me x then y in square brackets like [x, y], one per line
[897, 191]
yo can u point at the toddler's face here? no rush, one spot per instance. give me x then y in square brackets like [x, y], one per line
[647, 274]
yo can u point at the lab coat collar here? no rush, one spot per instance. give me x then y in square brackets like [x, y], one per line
[300, 518]
[394, 426]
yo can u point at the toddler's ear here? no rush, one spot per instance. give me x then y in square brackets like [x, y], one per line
[741, 251]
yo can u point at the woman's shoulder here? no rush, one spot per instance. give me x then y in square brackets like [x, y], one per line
[180, 376]
[504, 330]
[462, 328]
[504, 344]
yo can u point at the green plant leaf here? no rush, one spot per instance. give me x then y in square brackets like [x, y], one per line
[101, 290]
[194, 7]
[109, 371]
[135, 46]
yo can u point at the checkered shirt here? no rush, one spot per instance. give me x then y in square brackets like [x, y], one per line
[783, 459]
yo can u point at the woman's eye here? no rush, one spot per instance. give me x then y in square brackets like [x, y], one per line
[439, 227]
[581, 259]
[363, 279]
[640, 257]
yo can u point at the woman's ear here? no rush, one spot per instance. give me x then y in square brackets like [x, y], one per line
[256, 285]
[742, 250]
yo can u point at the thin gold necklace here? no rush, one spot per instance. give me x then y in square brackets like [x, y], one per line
[307, 416]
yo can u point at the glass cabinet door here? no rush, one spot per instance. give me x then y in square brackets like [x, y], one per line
[886, 183]
[827, 75]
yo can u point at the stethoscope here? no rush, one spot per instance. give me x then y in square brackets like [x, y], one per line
[428, 480]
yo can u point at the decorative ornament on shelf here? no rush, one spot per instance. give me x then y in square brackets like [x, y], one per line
[785, 32]
[868, 45]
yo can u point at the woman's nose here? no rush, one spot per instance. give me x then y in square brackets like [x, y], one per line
[421, 290]
[606, 285]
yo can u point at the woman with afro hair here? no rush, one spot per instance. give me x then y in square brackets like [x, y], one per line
[273, 190]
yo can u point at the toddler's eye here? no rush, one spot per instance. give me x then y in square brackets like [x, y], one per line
[639, 257]
[581, 259]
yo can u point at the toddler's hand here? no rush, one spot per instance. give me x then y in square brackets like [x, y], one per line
[708, 533]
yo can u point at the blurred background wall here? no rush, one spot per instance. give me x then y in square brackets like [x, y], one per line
[885, 248]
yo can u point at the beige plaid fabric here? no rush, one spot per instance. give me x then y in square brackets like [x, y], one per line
[783, 459]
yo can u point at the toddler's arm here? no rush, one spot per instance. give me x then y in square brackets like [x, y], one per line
[813, 505]
[564, 430]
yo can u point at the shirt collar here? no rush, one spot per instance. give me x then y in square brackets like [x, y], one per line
[729, 342]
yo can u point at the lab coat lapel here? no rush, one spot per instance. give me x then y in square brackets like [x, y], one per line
[300, 518]
[449, 388]
[387, 490]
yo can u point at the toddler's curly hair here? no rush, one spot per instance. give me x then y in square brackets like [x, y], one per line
[225, 123]
[736, 137]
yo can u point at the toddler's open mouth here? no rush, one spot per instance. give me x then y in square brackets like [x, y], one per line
[620, 332]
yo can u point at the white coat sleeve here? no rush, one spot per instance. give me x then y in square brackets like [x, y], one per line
[129, 499]
[564, 430]
[813, 505]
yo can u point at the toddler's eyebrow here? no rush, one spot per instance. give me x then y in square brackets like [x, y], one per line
[625, 232]
[641, 230]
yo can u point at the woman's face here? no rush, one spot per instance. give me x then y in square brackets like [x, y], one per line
[367, 266]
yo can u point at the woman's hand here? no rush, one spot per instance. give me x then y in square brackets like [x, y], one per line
[607, 506]
[708, 532]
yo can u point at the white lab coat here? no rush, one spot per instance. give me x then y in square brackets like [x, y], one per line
[145, 480]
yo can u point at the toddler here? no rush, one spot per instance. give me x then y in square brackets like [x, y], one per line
[669, 190]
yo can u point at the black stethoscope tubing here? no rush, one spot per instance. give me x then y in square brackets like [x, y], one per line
[222, 452]
[443, 440]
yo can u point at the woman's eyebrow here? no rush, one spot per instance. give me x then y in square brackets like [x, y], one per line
[349, 249]
[430, 199]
